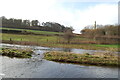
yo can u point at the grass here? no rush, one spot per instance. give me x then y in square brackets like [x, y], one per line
[114, 45]
[99, 59]
[20, 37]
[34, 31]
[52, 41]
[19, 53]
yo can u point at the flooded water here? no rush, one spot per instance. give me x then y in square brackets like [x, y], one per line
[37, 67]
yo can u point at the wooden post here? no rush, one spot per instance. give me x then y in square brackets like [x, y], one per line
[47, 40]
[10, 39]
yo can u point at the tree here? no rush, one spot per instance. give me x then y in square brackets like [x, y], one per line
[68, 35]
[26, 23]
[4, 21]
[35, 23]
[17, 22]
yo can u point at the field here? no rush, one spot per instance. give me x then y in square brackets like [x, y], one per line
[50, 39]
[114, 45]
[33, 31]
[54, 41]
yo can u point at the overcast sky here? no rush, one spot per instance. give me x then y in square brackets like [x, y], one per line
[75, 13]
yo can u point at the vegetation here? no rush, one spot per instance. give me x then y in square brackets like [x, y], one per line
[20, 53]
[108, 34]
[51, 34]
[27, 31]
[55, 41]
[104, 59]
[68, 35]
[113, 46]
[33, 25]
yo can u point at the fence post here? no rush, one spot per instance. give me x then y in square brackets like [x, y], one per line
[10, 39]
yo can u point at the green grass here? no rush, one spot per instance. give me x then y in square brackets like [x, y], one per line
[115, 45]
[34, 31]
[102, 59]
[19, 53]
[31, 38]
[52, 41]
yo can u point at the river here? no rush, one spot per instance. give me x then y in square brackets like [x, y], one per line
[37, 67]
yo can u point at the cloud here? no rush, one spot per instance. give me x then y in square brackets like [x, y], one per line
[25, 8]
[102, 13]
[89, 0]
[54, 11]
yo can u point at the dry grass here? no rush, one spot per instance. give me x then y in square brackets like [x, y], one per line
[20, 53]
[104, 59]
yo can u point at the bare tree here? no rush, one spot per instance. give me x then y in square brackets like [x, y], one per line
[68, 35]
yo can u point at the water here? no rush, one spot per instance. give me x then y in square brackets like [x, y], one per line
[37, 67]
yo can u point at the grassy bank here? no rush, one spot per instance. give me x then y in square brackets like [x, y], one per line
[54, 41]
[19, 53]
[102, 59]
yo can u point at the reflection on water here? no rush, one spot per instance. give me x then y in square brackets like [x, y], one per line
[37, 67]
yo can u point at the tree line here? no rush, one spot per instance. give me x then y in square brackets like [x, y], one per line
[107, 30]
[33, 24]
[105, 34]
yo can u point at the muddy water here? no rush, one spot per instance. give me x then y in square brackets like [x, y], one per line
[37, 67]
